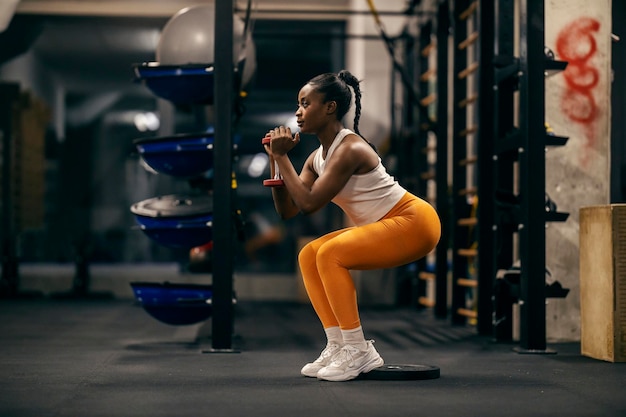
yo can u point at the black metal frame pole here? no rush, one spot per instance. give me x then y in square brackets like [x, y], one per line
[486, 172]
[618, 111]
[10, 276]
[441, 170]
[222, 320]
[419, 152]
[459, 152]
[532, 177]
[503, 124]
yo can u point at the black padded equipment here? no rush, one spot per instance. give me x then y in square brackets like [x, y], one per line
[394, 372]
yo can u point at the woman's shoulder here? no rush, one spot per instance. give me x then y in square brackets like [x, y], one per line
[351, 142]
[359, 152]
[356, 142]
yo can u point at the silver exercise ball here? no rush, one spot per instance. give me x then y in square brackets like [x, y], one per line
[188, 38]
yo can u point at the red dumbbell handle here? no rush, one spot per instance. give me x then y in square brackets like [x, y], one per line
[273, 182]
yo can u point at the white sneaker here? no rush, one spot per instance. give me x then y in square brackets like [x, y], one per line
[311, 369]
[350, 362]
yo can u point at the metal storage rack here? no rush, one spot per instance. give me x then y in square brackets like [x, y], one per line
[10, 94]
[519, 162]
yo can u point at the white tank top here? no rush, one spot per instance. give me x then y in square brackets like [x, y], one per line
[365, 198]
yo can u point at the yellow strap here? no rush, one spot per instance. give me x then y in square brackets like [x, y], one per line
[374, 12]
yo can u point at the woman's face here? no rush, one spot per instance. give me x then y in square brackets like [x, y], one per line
[312, 113]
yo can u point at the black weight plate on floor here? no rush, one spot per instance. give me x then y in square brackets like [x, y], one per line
[394, 372]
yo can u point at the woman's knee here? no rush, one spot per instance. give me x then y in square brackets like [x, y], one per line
[307, 254]
[328, 255]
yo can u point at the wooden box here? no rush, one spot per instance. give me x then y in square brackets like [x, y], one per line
[603, 282]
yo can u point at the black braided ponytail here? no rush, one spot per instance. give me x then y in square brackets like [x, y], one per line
[353, 82]
[335, 87]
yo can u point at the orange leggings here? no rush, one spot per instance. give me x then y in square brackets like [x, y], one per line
[408, 232]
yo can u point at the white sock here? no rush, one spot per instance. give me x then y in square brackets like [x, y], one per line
[355, 337]
[333, 335]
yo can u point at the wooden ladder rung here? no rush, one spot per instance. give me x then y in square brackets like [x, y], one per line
[429, 99]
[432, 72]
[467, 191]
[466, 282]
[429, 149]
[468, 100]
[468, 161]
[468, 131]
[470, 221]
[425, 301]
[467, 12]
[426, 50]
[426, 276]
[468, 41]
[468, 253]
[469, 70]
[465, 312]
[427, 176]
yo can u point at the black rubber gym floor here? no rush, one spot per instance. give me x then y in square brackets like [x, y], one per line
[94, 358]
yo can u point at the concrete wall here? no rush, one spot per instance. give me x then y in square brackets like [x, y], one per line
[578, 174]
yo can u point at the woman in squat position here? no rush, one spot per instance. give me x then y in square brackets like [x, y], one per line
[392, 226]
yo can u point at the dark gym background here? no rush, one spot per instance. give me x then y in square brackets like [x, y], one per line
[70, 348]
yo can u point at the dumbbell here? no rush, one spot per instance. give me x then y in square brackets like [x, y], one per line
[277, 181]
